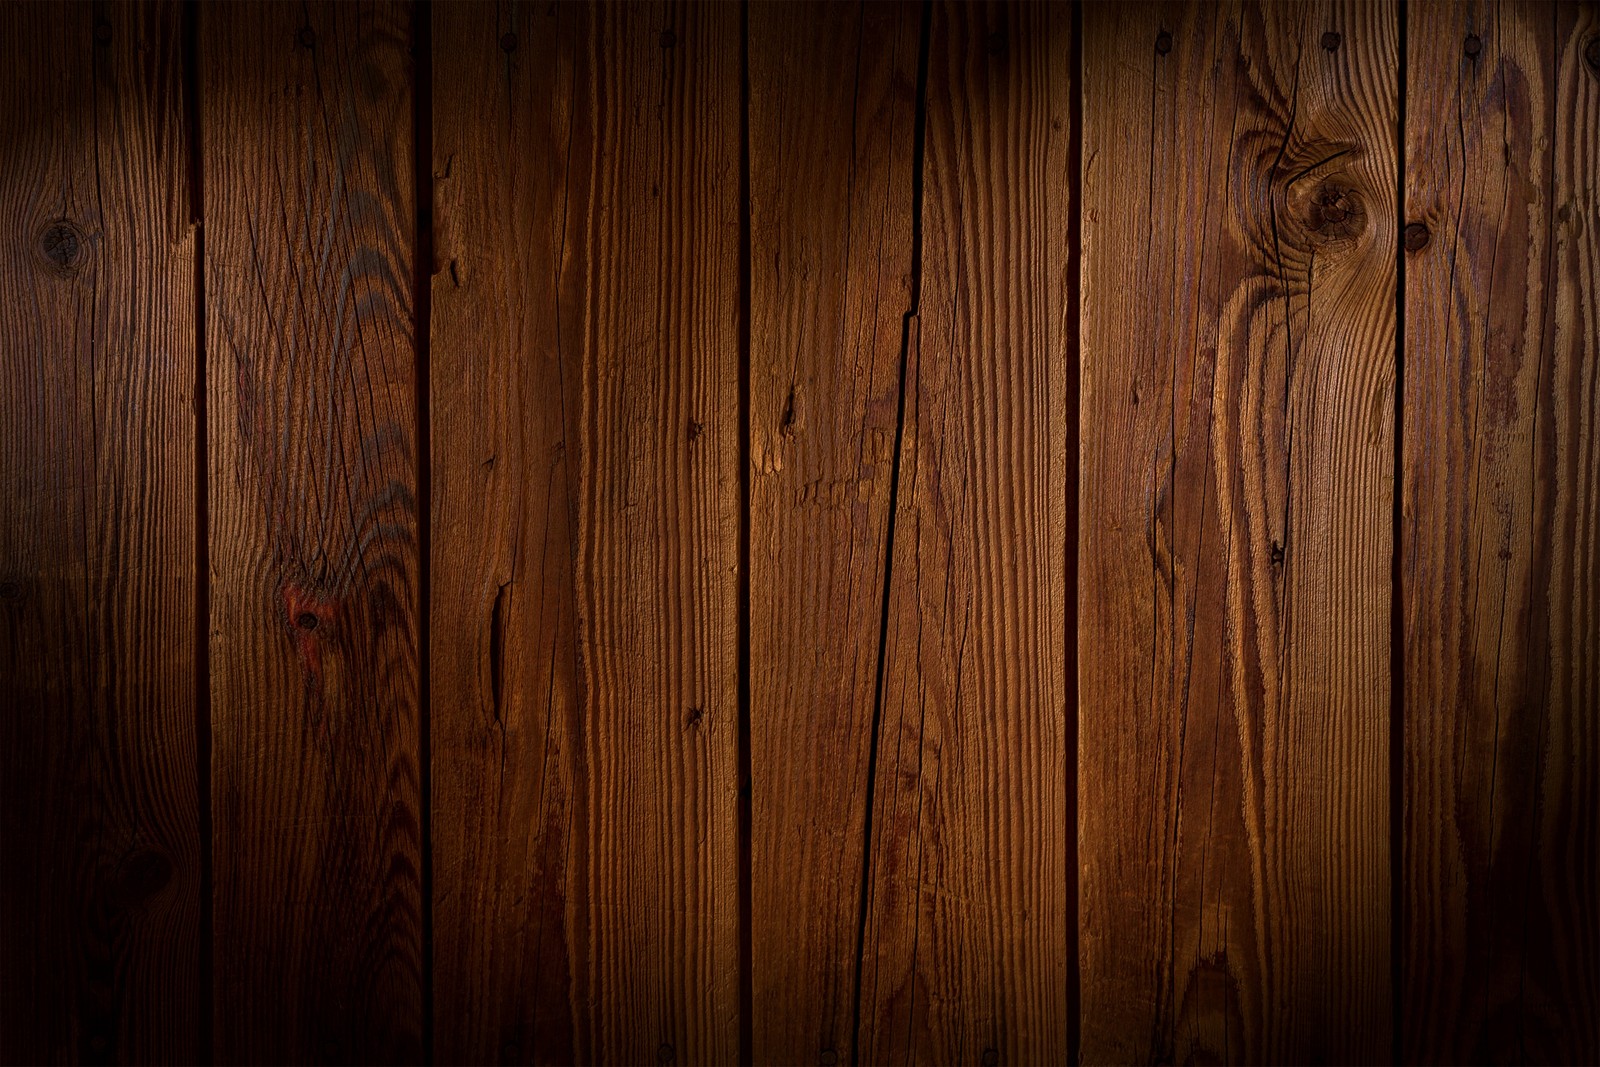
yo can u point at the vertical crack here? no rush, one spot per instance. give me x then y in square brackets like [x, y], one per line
[746, 959]
[1074, 483]
[919, 152]
[202, 543]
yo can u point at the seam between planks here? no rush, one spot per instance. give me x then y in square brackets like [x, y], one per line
[422, 330]
[1397, 615]
[746, 892]
[1074, 371]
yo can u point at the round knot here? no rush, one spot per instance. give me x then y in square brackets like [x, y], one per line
[61, 245]
[1163, 43]
[1331, 41]
[1416, 237]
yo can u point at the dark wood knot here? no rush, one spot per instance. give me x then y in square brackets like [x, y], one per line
[828, 1058]
[1472, 45]
[1275, 554]
[991, 1057]
[1331, 41]
[307, 37]
[1163, 43]
[10, 590]
[307, 621]
[141, 876]
[102, 32]
[668, 39]
[1336, 211]
[508, 42]
[1591, 54]
[62, 245]
[996, 43]
[1416, 236]
[665, 1054]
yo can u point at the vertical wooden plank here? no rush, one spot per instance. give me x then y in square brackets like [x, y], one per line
[306, 114]
[99, 806]
[505, 706]
[832, 121]
[966, 935]
[586, 434]
[1237, 475]
[1502, 860]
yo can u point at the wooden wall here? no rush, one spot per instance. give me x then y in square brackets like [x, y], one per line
[785, 533]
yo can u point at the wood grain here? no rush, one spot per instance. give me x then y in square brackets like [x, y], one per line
[586, 428]
[832, 121]
[966, 932]
[100, 946]
[306, 116]
[1502, 757]
[1238, 310]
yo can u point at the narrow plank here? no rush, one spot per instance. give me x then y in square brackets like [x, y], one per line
[1502, 755]
[99, 801]
[306, 120]
[831, 124]
[1239, 247]
[586, 431]
[966, 944]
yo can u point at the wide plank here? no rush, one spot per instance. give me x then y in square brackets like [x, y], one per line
[100, 808]
[1238, 326]
[832, 117]
[306, 124]
[586, 419]
[1501, 955]
[966, 934]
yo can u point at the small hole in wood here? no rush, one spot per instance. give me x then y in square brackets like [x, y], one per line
[665, 1054]
[508, 42]
[1163, 43]
[306, 621]
[1331, 41]
[102, 32]
[668, 38]
[1472, 46]
[991, 1057]
[10, 590]
[307, 37]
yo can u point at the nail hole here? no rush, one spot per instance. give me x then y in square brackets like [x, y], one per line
[1472, 46]
[1416, 237]
[1163, 43]
[306, 621]
[1331, 41]
[508, 42]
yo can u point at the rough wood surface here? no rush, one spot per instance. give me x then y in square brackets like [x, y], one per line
[1502, 859]
[965, 937]
[1239, 244]
[832, 121]
[306, 123]
[100, 934]
[586, 430]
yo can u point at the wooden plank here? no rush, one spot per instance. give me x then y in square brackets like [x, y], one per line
[100, 913]
[1501, 956]
[966, 933]
[306, 122]
[1238, 315]
[586, 431]
[832, 121]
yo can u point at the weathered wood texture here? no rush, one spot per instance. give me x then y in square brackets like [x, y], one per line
[833, 111]
[1501, 954]
[1239, 244]
[586, 440]
[100, 935]
[965, 937]
[306, 123]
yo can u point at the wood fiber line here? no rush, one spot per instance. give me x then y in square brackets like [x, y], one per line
[1502, 751]
[306, 122]
[587, 509]
[965, 940]
[832, 115]
[1238, 312]
[99, 808]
